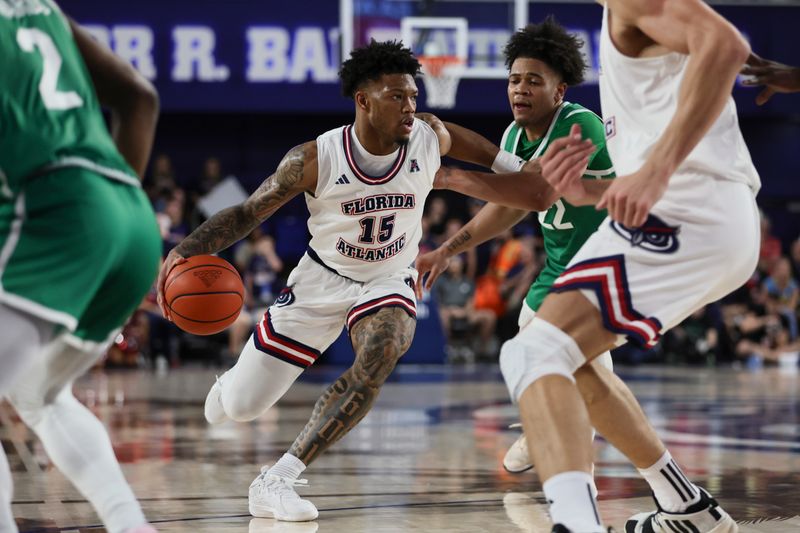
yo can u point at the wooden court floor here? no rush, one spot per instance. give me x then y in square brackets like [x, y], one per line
[427, 458]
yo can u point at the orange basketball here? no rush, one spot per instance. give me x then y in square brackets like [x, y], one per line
[204, 295]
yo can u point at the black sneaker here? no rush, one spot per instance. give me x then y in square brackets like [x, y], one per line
[705, 516]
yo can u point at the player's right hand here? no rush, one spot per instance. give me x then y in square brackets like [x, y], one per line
[777, 77]
[173, 259]
[431, 263]
[565, 160]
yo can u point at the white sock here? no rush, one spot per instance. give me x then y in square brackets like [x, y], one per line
[74, 439]
[673, 491]
[288, 466]
[571, 502]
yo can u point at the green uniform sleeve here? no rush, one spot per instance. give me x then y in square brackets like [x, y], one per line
[600, 165]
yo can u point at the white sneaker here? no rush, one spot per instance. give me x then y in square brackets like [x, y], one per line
[705, 516]
[517, 460]
[213, 410]
[272, 496]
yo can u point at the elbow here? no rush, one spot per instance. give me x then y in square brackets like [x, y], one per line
[730, 47]
[738, 51]
[144, 97]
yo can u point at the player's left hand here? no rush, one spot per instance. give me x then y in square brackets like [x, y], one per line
[630, 198]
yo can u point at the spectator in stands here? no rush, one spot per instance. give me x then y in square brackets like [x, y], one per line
[694, 341]
[453, 226]
[782, 294]
[511, 266]
[757, 334]
[794, 252]
[770, 250]
[171, 221]
[260, 265]
[208, 179]
[436, 212]
[454, 295]
[162, 181]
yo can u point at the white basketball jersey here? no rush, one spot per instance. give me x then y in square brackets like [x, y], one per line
[639, 96]
[363, 226]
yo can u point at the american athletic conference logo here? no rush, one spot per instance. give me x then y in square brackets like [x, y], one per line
[655, 235]
[285, 297]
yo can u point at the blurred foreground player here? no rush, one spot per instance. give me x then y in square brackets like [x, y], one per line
[682, 232]
[79, 242]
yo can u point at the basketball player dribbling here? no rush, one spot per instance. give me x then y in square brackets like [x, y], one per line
[682, 232]
[365, 186]
[80, 245]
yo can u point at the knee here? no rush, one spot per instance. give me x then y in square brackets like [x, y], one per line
[243, 409]
[34, 408]
[539, 350]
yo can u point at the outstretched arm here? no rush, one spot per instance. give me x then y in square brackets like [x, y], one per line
[521, 190]
[777, 77]
[296, 173]
[132, 99]
[491, 221]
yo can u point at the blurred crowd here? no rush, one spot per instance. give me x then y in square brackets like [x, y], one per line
[477, 300]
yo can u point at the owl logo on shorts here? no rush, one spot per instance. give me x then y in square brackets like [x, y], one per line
[285, 297]
[654, 236]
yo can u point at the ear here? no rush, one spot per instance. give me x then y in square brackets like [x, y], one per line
[561, 90]
[362, 100]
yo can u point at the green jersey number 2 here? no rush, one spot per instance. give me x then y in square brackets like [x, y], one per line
[558, 217]
[32, 38]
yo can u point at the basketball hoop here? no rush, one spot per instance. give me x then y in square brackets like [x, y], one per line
[441, 75]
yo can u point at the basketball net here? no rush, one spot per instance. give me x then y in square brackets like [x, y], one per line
[441, 75]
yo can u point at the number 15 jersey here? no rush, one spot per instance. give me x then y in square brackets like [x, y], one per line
[363, 226]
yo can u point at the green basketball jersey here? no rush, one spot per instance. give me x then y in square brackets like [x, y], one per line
[49, 113]
[565, 227]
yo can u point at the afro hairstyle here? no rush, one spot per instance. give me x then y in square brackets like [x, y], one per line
[550, 43]
[370, 62]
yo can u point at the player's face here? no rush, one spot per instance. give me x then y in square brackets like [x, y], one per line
[534, 91]
[391, 104]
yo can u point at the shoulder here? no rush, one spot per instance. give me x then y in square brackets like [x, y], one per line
[509, 133]
[332, 135]
[591, 124]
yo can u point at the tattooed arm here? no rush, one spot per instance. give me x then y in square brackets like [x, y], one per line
[491, 221]
[378, 340]
[296, 173]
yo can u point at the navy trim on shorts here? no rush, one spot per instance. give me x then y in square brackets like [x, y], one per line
[317, 259]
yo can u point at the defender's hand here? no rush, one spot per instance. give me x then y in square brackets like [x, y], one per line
[777, 77]
[431, 263]
[173, 259]
[565, 161]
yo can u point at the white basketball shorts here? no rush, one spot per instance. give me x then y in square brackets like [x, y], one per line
[699, 243]
[310, 312]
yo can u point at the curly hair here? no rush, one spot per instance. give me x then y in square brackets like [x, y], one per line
[549, 42]
[372, 61]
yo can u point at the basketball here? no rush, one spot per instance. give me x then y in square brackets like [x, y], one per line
[204, 295]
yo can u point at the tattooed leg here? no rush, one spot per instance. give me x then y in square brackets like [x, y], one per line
[379, 341]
